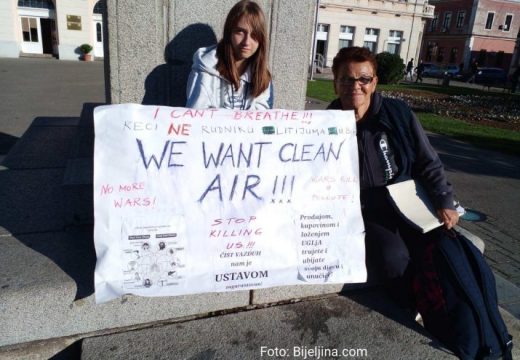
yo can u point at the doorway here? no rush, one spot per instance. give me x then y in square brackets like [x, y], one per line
[47, 43]
[31, 35]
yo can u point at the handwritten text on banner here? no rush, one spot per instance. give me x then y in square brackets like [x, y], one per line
[190, 201]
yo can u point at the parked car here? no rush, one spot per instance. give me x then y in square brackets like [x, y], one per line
[490, 76]
[452, 71]
[427, 65]
[432, 70]
[437, 71]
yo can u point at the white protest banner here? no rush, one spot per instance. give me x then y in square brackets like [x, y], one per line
[191, 201]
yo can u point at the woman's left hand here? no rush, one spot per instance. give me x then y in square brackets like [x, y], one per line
[449, 217]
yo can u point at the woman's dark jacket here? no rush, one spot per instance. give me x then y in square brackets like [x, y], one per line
[393, 148]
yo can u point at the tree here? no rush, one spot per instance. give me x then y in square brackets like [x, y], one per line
[390, 68]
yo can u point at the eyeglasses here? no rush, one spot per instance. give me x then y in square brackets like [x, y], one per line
[349, 81]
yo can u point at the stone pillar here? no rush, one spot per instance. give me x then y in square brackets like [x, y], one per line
[151, 43]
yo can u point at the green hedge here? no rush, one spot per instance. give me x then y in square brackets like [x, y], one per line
[390, 68]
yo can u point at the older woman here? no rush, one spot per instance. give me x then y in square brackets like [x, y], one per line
[392, 148]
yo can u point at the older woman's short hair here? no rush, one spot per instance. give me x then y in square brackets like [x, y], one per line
[353, 54]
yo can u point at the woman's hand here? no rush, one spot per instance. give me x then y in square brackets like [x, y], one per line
[449, 217]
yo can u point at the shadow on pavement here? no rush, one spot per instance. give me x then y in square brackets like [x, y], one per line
[463, 157]
[71, 352]
[375, 299]
[39, 206]
[6, 143]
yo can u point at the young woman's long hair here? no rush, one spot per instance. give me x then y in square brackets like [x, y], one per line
[260, 74]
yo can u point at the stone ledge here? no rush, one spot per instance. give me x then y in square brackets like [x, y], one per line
[39, 301]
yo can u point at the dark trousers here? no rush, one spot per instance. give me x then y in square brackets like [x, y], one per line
[392, 245]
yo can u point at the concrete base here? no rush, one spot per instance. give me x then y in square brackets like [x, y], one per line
[47, 292]
[361, 324]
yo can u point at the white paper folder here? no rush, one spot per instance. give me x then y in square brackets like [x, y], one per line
[412, 201]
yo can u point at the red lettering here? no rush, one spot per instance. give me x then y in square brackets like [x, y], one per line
[180, 129]
[106, 189]
[185, 129]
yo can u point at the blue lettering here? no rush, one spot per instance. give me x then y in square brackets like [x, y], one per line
[152, 158]
[281, 150]
[211, 157]
[305, 152]
[249, 188]
[243, 156]
[211, 187]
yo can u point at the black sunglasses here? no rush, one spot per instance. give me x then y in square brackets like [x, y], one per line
[347, 81]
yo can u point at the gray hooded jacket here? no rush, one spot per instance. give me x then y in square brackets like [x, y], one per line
[208, 89]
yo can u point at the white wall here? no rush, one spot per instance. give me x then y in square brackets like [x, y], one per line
[9, 43]
[70, 40]
[382, 15]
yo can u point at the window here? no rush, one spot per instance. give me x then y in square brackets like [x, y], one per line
[370, 45]
[461, 15]
[394, 48]
[507, 23]
[322, 36]
[394, 42]
[433, 24]
[370, 40]
[440, 54]
[371, 31]
[346, 36]
[489, 21]
[40, 4]
[432, 51]
[99, 33]
[453, 55]
[346, 29]
[447, 21]
[29, 29]
[323, 28]
[344, 43]
[99, 7]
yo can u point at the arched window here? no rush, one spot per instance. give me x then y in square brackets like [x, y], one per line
[99, 32]
[40, 4]
[99, 7]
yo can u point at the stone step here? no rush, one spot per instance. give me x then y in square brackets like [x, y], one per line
[79, 171]
[362, 324]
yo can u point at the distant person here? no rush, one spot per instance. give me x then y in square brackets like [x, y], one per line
[514, 79]
[234, 73]
[419, 69]
[474, 71]
[409, 69]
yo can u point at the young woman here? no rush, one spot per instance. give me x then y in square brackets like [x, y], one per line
[234, 74]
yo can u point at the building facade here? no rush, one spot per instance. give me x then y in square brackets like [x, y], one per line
[50, 27]
[466, 31]
[395, 26]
